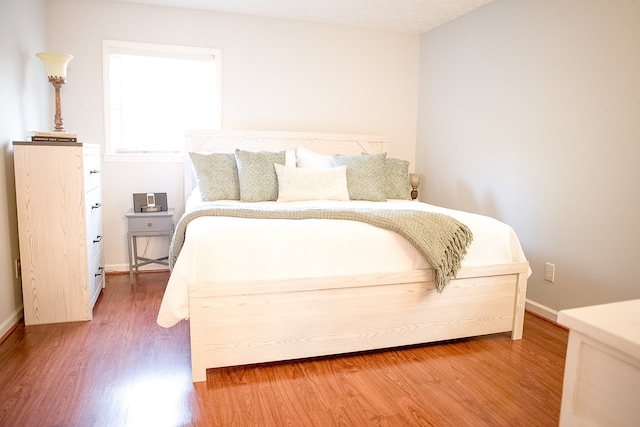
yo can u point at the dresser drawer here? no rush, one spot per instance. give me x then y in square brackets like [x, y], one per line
[150, 223]
[96, 276]
[92, 172]
[93, 200]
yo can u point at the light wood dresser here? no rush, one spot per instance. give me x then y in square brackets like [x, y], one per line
[602, 371]
[59, 206]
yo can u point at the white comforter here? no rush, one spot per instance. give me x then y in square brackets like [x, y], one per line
[221, 249]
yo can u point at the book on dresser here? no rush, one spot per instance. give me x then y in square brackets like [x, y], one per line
[59, 207]
[53, 136]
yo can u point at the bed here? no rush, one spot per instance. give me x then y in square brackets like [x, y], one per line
[270, 289]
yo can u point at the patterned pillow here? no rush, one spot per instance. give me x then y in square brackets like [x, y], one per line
[365, 176]
[217, 175]
[397, 184]
[257, 176]
[311, 184]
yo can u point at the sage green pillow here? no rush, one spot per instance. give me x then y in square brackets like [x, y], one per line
[365, 176]
[257, 176]
[217, 175]
[397, 184]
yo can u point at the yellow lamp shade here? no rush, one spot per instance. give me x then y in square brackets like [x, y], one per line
[56, 63]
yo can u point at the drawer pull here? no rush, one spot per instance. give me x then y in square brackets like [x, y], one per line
[92, 171]
[96, 205]
[97, 239]
[149, 224]
[99, 273]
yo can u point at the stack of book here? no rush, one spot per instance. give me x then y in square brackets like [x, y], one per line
[53, 136]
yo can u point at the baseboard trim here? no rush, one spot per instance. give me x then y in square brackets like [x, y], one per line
[9, 324]
[124, 268]
[541, 310]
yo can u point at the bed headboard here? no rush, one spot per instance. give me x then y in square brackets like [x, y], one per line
[225, 141]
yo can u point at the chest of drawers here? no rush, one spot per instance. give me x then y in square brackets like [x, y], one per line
[59, 207]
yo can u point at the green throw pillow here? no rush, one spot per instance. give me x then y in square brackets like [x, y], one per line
[217, 175]
[365, 176]
[397, 179]
[257, 176]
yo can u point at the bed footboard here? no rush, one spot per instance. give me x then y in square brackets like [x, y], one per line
[256, 322]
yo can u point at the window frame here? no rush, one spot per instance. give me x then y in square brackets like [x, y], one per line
[152, 49]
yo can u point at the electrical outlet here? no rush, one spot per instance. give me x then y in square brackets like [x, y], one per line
[550, 272]
[18, 268]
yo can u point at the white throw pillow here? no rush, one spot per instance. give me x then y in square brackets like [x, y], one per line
[310, 159]
[311, 184]
[290, 158]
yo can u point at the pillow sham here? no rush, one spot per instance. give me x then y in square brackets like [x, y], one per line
[256, 174]
[365, 176]
[290, 158]
[311, 184]
[397, 184]
[217, 175]
[396, 175]
[310, 159]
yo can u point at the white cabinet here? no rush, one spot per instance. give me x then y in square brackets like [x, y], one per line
[59, 206]
[602, 371]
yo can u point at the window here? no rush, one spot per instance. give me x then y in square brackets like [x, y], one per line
[153, 93]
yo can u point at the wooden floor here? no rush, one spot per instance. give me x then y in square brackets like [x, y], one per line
[121, 369]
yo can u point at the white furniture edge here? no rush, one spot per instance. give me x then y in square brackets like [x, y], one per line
[615, 324]
[602, 367]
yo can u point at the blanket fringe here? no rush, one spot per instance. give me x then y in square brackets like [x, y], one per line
[452, 261]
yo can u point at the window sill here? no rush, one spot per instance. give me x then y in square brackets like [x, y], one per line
[144, 157]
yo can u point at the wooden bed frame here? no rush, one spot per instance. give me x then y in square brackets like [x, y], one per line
[265, 321]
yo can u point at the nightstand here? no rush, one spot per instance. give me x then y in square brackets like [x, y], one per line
[146, 224]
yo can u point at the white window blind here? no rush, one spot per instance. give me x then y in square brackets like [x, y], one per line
[153, 93]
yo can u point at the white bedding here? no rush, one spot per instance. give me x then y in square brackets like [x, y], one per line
[221, 249]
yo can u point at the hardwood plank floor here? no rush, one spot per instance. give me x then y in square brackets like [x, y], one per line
[121, 369]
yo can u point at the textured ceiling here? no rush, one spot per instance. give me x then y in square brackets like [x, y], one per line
[409, 16]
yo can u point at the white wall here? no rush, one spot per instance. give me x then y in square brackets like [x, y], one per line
[529, 111]
[24, 106]
[276, 75]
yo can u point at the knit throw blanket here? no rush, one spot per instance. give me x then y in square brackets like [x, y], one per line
[440, 239]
